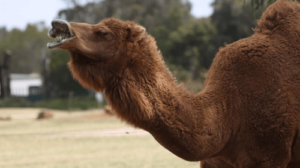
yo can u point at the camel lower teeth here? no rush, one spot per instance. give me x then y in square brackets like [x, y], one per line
[59, 38]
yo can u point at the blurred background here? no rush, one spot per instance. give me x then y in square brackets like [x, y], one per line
[48, 120]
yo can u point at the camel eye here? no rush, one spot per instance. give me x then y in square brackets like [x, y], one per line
[101, 34]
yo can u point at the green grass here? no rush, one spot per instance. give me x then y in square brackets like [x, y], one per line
[77, 103]
[82, 103]
[30, 144]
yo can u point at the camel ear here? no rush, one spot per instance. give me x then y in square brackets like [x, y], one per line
[135, 32]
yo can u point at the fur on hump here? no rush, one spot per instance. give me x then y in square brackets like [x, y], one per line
[276, 16]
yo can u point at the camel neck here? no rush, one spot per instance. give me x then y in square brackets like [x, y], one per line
[175, 117]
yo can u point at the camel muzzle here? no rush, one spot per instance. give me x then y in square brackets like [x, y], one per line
[61, 31]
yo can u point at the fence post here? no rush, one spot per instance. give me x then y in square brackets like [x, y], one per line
[45, 73]
[5, 75]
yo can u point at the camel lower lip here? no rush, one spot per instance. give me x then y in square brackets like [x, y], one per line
[53, 45]
[56, 44]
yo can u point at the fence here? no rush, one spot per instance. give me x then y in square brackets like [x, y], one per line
[63, 100]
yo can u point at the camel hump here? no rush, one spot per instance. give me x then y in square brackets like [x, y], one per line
[276, 16]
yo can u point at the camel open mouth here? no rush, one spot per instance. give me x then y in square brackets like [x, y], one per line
[61, 31]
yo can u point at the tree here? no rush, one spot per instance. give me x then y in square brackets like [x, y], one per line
[148, 13]
[192, 46]
[262, 3]
[234, 20]
[26, 47]
[159, 17]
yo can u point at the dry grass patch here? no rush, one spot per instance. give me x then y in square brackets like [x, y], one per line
[28, 144]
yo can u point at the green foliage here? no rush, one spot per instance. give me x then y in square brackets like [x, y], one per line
[15, 102]
[191, 46]
[233, 20]
[62, 82]
[151, 14]
[179, 72]
[26, 47]
[256, 4]
[77, 103]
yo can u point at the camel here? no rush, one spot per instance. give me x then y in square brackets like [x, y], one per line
[246, 116]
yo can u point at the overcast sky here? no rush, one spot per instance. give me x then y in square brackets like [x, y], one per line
[18, 13]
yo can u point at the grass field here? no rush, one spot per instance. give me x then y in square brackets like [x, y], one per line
[78, 140]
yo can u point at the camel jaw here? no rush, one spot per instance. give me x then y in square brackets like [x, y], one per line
[61, 31]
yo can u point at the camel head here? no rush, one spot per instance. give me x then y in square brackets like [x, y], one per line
[99, 51]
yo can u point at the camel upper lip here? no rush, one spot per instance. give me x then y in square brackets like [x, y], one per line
[61, 31]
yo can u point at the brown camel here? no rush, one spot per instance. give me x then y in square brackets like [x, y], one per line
[246, 116]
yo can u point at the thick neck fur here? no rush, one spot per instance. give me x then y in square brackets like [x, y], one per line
[147, 96]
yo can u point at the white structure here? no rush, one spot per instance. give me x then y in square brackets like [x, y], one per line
[20, 83]
[99, 97]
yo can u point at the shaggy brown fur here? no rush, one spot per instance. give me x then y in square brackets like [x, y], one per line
[247, 115]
